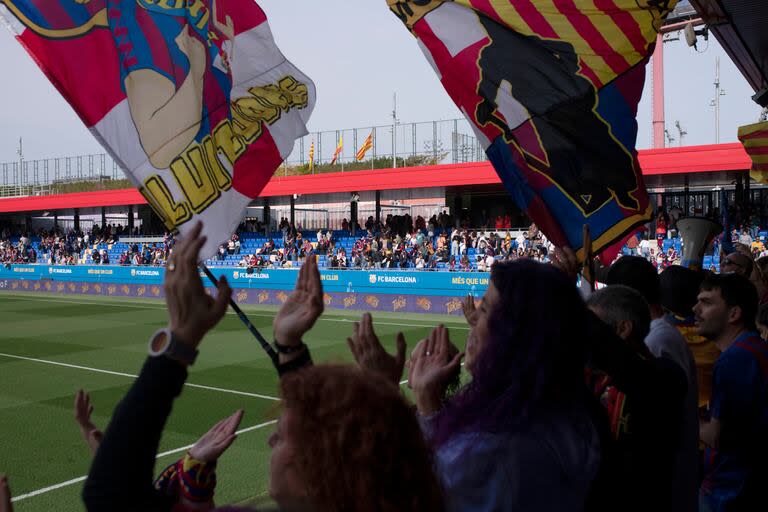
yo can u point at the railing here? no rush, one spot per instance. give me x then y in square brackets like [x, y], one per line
[42, 177]
[399, 145]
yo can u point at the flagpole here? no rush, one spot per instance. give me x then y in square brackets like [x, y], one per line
[242, 316]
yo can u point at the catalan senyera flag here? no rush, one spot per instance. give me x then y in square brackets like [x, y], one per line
[367, 146]
[338, 150]
[755, 140]
[312, 156]
[551, 89]
[193, 99]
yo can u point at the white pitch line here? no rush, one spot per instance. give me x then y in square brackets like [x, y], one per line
[264, 315]
[159, 455]
[48, 489]
[130, 375]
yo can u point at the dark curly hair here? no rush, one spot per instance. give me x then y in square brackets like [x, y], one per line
[534, 358]
[361, 447]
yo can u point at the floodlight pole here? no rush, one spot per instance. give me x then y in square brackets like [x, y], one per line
[20, 174]
[394, 132]
[716, 102]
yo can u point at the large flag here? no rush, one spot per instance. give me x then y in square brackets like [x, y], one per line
[193, 99]
[367, 146]
[551, 89]
[312, 156]
[338, 150]
[755, 140]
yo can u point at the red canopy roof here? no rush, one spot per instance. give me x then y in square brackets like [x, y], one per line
[692, 159]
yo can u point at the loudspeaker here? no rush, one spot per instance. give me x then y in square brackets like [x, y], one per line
[697, 233]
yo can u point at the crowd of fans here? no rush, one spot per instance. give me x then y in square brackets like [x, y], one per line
[650, 392]
[74, 247]
[401, 242]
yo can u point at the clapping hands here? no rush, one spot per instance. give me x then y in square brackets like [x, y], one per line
[370, 354]
[434, 364]
[302, 308]
[216, 441]
[469, 308]
[191, 310]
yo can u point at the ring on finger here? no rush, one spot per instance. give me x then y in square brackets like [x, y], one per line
[429, 353]
[171, 266]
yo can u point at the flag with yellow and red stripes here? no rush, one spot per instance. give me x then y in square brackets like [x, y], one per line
[367, 146]
[551, 89]
[755, 140]
[338, 151]
[312, 156]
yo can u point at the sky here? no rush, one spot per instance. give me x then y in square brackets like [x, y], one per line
[358, 54]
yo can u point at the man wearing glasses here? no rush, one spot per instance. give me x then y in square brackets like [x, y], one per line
[737, 263]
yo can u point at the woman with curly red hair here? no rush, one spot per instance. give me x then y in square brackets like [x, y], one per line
[348, 441]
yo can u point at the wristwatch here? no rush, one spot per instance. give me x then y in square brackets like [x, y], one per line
[164, 343]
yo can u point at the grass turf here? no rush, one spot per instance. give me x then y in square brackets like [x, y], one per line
[40, 444]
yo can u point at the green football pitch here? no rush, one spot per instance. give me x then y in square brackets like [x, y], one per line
[52, 345]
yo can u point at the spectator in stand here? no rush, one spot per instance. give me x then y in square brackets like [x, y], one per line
[735, 433]
[661, 229]
[679, 287]
[464, 264]
[628, 315]
[745, 238]
[737, 263]
[665, 341]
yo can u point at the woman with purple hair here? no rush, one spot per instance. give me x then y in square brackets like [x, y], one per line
[519, 435]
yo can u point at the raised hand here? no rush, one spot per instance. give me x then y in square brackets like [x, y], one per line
[83, 411]
[302, 308]
[192, 311]
[432, 368]
[216, 441]
[565, 259]
[370, 354]
[5, 495]
[468, 307]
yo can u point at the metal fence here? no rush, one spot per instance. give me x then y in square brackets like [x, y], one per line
[433, 142]
[412, 144]
[40, 177]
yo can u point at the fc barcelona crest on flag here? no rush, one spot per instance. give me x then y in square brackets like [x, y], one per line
[551, 89]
